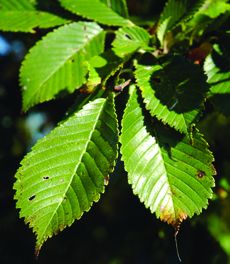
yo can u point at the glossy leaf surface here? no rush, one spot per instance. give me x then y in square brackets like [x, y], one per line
[54, 67]
[172, 177]
[64, 174]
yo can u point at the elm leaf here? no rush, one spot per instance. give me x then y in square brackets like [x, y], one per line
[65, 171]
[171, 176]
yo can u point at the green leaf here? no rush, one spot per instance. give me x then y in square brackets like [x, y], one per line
[173, 89]
[95, 10]
[22, 15]
[175, 12]
[106, 64]
[127, 41]
[214, 8]
[54, 67]
[162, 30]
[217, 67]
[119, 6]
[172, 177]
[131, 36]
[65, 172]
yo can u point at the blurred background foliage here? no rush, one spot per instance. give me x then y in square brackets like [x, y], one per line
[118, 229]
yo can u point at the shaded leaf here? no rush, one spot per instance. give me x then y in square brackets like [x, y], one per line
[64, 174]
[172, 177]
[175, 12]
[217, 67]
[173, 89]
[96, 10]
[106, 64]
[54, 67]
[22, 15]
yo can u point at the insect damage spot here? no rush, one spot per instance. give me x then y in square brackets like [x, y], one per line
[127, 36]
[31, 198]
[45, 178]
[201, 174]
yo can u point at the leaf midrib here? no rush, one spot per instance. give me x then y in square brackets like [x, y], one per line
[70, 182]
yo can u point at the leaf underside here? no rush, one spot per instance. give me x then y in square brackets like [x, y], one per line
[54, 67]
[65, 172]
[173, 89]
[172, 177]
[218, 71]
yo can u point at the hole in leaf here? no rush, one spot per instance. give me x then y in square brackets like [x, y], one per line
[31, 198]
[201, 174]
[127, 36]
[46, 178]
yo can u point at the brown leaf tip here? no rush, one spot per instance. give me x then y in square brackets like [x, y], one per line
[36, 254]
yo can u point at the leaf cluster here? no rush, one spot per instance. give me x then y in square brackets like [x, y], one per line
[168, 69]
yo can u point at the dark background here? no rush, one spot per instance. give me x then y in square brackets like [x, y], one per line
[118, 229]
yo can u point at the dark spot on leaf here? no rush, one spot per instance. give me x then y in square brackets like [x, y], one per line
[157, 79]
[84, 28]
[31, 198]
[72, 60]
[46, 178]
[201, 174]
[86, 36]
[127, 36]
